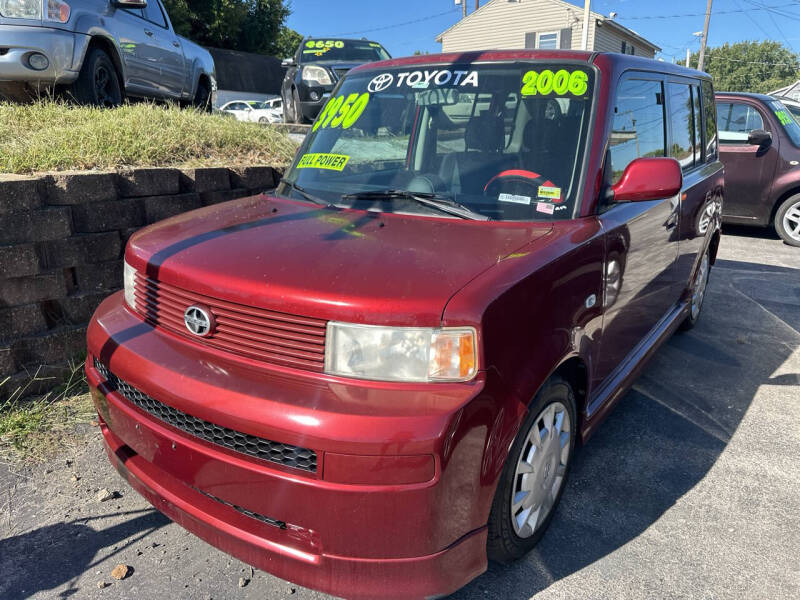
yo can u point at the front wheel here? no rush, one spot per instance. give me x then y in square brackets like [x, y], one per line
[297, 110]
[202, 97]
[98, 83]
[787, 221]
[535, 473]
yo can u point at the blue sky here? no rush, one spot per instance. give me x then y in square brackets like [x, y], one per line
[389, 21]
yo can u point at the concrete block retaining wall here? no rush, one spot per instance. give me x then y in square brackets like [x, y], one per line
[62, 237]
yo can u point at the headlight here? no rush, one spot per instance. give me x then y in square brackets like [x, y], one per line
[129, 281]
[21, 9]
[400, 353]
[316, 75]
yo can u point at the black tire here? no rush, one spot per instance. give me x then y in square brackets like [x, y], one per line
[287, 108]
[793, 204]
[504, 544]
[700, 278]
[98, 82]
[202, 97]
[263, 121]
[297, 110]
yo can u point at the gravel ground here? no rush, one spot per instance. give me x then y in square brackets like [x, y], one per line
[691, 489]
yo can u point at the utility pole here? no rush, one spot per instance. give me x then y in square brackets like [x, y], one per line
[477, 4]
[705, 38]
[587, 5]
[463, 8]
[688, 55]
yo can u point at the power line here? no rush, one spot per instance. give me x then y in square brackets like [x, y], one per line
[718, 12]
[420, 20]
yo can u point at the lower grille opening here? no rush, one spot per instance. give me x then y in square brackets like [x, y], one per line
[276, 452]
[244, 511]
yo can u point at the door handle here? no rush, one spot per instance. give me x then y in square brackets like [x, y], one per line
[176, 43]
[148, 32]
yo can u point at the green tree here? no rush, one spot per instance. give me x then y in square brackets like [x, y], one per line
[244, 25]
[750, 66]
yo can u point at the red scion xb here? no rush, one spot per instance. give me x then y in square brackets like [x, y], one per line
[373, 379]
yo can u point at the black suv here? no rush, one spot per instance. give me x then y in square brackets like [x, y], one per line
[315, 69]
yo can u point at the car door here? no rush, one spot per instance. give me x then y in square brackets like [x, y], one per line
[164, 52]
[749, 169]
[701, 195]
[125, 25]
[641, 237]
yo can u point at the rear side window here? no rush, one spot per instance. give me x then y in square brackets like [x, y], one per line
[736, 121]
[699, 155]
[682, 124]
[710, 110]
[638, 127]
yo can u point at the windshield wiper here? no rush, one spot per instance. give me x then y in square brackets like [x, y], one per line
[440, 202]
[305, 194]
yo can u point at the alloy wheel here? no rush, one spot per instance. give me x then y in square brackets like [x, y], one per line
[699, 291]
[791, 221]
[540, 470]
[102, 87]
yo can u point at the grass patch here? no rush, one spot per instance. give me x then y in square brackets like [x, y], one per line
[37, 428]
[50, 135]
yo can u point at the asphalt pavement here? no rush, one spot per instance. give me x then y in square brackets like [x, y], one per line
[690, 489]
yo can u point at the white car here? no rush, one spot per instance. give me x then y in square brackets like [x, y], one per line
[269, 111]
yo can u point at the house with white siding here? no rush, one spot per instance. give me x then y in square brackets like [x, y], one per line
[546, 24]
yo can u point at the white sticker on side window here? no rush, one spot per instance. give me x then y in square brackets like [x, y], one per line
[544, 207]
[514, 198]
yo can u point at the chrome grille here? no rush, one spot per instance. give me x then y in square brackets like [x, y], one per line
[282, 454]
[257, 333]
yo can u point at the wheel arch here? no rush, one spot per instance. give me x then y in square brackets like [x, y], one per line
[109, 47]
[780, 199]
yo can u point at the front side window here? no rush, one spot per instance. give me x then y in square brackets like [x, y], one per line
[548, 41]
[504, 140]
[682, 124]
[786, 120]
[638, 127]
[342, 50]
[152, 12]
[736, 121]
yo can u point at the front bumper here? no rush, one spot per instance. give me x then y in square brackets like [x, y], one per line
[18, 42]
[308, 106]
[367, 523]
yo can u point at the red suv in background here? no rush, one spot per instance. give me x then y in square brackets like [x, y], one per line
[760, 148]
[374, 378]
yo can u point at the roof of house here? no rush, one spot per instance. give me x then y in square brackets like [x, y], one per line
[597, 16]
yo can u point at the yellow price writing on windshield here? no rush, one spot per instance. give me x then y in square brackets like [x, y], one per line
[324, 44]
[342, 111]
[561, 83]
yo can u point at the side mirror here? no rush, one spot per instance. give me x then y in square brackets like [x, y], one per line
[648, 179]
[287, 62]
[760, 138]
[130, 3]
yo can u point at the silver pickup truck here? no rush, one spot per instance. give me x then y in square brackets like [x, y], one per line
[100, 51]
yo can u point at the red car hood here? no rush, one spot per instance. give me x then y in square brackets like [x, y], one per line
[305, 260]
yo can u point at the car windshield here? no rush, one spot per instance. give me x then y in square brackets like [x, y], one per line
[258, 105]
[786, 119]
[504, 140]
[342, 50]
